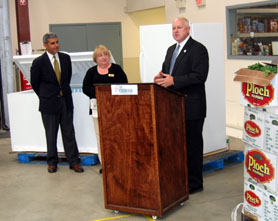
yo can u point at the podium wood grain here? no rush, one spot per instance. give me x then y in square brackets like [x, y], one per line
[143, 147]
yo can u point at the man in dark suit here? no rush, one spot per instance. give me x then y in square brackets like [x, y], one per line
[50, 78]
[187, 74]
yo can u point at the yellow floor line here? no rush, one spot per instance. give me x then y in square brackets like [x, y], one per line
[149, 218]
[111, 218]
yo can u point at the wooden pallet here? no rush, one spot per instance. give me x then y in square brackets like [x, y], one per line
[221, 160]
[40, 158]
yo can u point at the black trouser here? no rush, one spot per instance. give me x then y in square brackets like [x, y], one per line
[194, 141]
[51, 124]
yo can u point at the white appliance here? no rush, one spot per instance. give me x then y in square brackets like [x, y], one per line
[154, 42]
[27, 132]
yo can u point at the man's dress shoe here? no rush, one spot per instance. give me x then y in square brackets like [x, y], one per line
[196, 190]
[52, 168]
[77, 168]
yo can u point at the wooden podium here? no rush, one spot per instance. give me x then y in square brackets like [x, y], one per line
[143, 149]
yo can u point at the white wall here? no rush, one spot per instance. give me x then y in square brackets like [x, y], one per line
[45, 12]
[138, 5]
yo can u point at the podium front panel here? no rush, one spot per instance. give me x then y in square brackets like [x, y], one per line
[143, 149]
[128, 154]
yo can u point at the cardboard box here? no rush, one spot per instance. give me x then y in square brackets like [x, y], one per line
[253, 200]
[261, 167]
[271, 132]
[259, 203]
[272, 110]
[256, 89]
[262, 130]
[270, 204]
[254, 127]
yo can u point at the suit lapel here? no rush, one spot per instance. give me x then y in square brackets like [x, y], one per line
[61, 59]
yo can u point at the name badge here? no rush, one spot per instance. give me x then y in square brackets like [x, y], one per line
[111, 75]
[128, 89]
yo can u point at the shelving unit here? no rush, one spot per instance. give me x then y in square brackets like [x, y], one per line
[258, 35]
[263, 12]
[257, 10]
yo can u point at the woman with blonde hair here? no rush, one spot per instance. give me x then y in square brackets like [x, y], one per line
[103, 72]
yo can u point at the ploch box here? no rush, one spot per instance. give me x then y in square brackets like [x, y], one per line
[261, 166]
[257, 90]
[271, 132]
[270, 204]
[254, 130]
[253, 200]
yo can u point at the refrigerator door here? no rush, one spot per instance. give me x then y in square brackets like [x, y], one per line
[154, 42]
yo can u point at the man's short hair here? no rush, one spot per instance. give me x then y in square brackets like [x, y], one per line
[49, 35]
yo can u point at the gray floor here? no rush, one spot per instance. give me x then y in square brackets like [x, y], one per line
[28, 192]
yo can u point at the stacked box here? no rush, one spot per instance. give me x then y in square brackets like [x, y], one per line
[256, 89]
[254, 130]
[271, 110]
[253, 200]
[271, 132]
[259, 95]
[260, 203]
[261, 166]
[261, 128]
[270, 202]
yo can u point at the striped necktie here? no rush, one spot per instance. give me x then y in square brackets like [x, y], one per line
[173, 59]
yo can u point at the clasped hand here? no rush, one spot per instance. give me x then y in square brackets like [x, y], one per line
[165, 80]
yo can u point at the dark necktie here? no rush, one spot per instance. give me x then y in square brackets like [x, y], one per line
[173, 59]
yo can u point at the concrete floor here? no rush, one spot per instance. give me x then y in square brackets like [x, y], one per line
[28, 192]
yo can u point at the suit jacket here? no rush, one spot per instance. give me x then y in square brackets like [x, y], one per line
[46, 86]
[190, 73]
